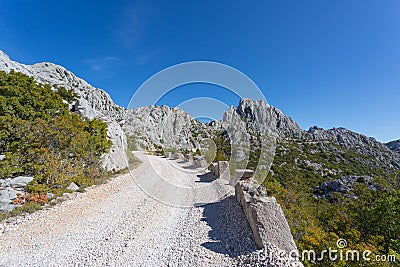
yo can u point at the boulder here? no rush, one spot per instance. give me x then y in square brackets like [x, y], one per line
[73, 187]
[179, 156]
[188, 158]
[212, 168]
[20, 181]
[241, 174]
[168, 155]
[223, 170]
[265, 216]
[201, 163]
[5, 182]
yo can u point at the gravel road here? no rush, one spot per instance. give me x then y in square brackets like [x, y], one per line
[163, 213]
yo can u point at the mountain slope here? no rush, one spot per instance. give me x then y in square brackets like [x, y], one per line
[91, 103]
[394, 146]
[327, 181]
[170, 128]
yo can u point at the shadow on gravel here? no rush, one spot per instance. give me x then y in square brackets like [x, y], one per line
[230, 231]
[190, 167]
[206, 178]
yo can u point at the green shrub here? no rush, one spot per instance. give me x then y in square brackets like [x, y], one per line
[41, 137]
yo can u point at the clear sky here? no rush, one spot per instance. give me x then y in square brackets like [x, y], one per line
[326, 63]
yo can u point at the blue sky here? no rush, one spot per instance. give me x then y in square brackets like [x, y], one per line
[325, 63]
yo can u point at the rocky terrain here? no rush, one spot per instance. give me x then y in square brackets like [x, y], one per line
[394, 145]
[164, 126]
[344, 185]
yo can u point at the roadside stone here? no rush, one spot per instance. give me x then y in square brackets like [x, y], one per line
[223, 170]
[201, 163]
[241, 174]
[265, 216]
[179, 156]
[188, 158]
[212, 168]
[73, 187]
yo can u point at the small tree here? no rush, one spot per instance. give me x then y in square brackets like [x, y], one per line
[382, 218]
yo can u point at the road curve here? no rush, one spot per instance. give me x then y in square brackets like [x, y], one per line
[163, 213]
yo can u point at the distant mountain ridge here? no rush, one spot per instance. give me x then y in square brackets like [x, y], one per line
[174, 128]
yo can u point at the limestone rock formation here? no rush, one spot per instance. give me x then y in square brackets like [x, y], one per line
[91, 103]
[251, 128]
[163, 126]
[9, 188]
[345, 186]
[256, 118]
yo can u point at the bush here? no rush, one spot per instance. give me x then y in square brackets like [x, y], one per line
[40, 137]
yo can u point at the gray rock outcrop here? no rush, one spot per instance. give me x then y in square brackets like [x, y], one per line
[20, 181]
[9, 188]
[253, 119]
[163, 126]
[345, 186]
[223, 170]
[91, 103]
[265, 216]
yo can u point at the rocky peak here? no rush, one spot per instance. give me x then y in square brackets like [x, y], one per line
[256, 117]
[265, 115]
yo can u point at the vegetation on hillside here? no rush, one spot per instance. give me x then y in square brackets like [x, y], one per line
[39, 136]
[367, 219]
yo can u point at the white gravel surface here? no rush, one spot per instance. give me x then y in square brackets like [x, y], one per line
[119, 224]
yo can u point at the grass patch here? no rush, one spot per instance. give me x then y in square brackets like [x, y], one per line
[29, 207]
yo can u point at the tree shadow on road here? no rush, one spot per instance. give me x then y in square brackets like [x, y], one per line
[230, 231]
